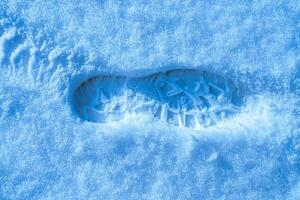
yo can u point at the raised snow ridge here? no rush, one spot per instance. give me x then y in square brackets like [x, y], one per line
[185, 98]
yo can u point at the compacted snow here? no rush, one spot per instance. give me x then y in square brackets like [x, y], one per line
[184, 98]
[51, 149]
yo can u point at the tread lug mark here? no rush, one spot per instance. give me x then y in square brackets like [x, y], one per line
[20, 57]
[4, 39]
[18, 53]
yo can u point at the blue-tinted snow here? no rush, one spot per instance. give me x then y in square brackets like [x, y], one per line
[48, 47]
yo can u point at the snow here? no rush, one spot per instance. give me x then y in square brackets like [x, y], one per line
[188, 98]
[48, 48]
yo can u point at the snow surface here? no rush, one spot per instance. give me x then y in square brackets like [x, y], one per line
[47, 48]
